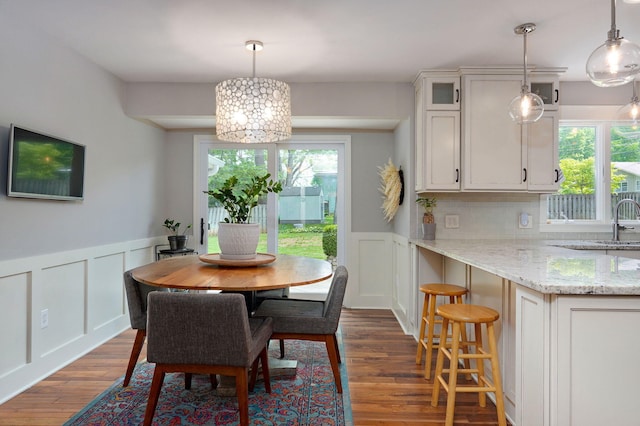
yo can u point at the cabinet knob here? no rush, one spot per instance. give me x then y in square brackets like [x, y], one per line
[457, 175]
[458, 95]
[557, 96]
[525, 174]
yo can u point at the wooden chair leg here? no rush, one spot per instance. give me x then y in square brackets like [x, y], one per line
[439, 363]
[425, 309]
[263, 358]
[495, 371]
[214, 381]
[281, 348]
[266, 375]
[187, 380]
[482, 396]
[432, 321]
[242, 391]
[332, 351]
[154, 393]
[138, 343]
[253, 374]
[335, 339]
[453, 374]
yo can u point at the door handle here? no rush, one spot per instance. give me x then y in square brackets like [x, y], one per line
[557, 96]
[557, 176]
[525, 174]
[457, 175]
[201, 230]
[457, 95]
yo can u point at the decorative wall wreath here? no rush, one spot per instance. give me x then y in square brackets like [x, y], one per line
[392, 189]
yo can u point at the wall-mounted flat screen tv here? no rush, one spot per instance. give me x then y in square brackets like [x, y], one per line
[43, 166]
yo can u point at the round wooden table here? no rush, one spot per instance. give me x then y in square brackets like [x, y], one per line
[190, 273]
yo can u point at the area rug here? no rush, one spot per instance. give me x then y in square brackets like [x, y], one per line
[309, 398]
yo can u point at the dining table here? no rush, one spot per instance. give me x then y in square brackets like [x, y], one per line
[211, 272]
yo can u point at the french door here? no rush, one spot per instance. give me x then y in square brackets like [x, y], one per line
[312, 171]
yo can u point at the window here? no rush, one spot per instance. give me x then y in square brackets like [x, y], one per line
[600, 162]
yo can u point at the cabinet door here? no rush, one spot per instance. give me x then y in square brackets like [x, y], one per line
[548, 90]
[442, 150]
[443, 93]
[493, 153]
[542, 153]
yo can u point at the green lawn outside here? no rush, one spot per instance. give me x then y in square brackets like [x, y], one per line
[305, 241]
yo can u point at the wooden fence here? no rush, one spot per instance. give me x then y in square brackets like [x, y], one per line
[583, 206]
[218, 214]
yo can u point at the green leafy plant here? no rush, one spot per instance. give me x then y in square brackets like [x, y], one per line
[330, 240]
[427, 203]
[174, 227]
[239, 198]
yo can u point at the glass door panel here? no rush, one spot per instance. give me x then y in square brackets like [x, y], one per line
[307, 203]
[242, 163]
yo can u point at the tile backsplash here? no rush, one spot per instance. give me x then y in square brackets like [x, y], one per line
[494, 216]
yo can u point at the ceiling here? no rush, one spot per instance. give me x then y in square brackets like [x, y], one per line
[322, 41]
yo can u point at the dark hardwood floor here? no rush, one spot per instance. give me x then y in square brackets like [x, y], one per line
[386, 387]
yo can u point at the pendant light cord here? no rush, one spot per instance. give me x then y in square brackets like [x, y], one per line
[613, 32]
[524, 36]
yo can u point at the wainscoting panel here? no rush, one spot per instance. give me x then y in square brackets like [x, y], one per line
[82, 295]
[15, 330]
[63, 296]
[370, 271]
[403, 295]
[106, 292]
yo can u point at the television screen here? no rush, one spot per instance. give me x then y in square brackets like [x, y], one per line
[42, 166]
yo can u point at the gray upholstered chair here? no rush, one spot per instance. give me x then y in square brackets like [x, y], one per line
[206, 334]
[137, 300]
[310, 320]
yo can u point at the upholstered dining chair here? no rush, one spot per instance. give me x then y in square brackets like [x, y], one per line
[206, 334]
[310, 320]
[137, 300]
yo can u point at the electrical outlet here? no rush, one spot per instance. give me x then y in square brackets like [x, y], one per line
[524, 221]
[44, 318]
[451, 221]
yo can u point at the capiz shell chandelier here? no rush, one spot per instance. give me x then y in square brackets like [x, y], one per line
[253, 109]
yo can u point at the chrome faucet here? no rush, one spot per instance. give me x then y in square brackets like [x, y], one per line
[616, 226]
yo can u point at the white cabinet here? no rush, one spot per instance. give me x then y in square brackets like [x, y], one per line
[548, 89]
[442, 92]
[499, 154]
[466, 141]
[543, 167]
[493, 154]
[438, 132]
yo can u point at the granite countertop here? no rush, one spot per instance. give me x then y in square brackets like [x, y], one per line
[545, 267]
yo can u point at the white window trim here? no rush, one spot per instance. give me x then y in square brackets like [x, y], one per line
[602, 223]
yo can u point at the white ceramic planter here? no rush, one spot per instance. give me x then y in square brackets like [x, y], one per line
[238, 241]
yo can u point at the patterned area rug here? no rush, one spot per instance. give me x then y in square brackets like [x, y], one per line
[309, 398]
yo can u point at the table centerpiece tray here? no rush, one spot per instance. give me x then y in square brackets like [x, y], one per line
[260, 259]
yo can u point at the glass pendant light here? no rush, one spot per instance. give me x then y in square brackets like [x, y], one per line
[526, 107]
[631, 111]
[617, 61]
[252, 109]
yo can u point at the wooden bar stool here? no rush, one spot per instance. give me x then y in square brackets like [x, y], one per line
[431, 291]
[458, 315]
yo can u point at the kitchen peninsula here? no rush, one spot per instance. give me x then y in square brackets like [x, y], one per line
[568, 329]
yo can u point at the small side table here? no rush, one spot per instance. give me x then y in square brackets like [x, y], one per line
[162, 253]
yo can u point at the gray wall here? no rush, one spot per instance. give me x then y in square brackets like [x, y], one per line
[48, 88]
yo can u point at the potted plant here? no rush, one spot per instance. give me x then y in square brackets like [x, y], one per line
[238, 239]
[178, 240]
[428, 221]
